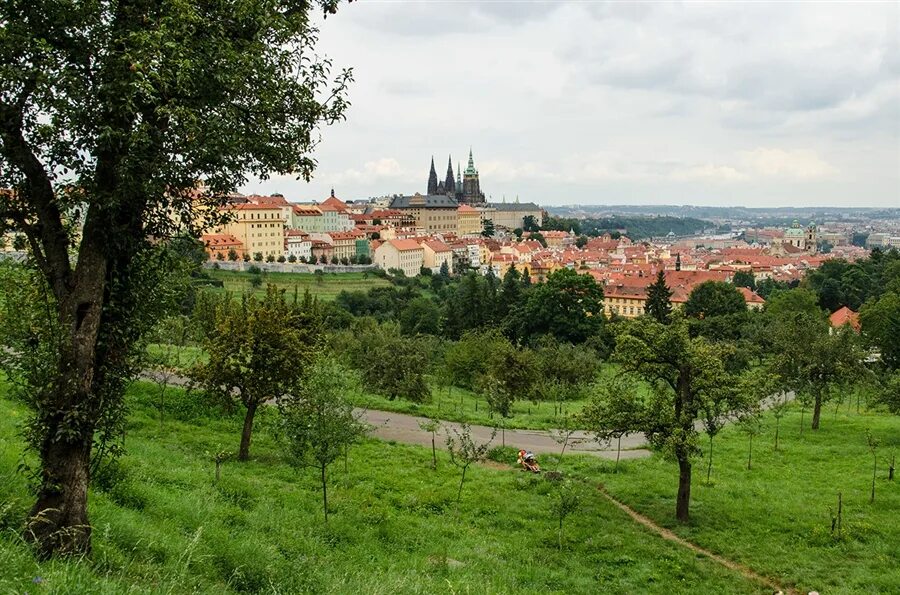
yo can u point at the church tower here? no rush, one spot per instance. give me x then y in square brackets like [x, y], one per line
[432, 179]
[449, 183]
[471, 189]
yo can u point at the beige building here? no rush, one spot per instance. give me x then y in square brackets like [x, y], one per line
[512, 215]
[435, 254]
[406, 255]
[468, 221]
[433, 213]
[259, 227]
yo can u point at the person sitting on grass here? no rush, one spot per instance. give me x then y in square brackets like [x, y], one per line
[528, 461]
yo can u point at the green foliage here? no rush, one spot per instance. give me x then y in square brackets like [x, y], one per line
[880, 324]
[744, 279]
[318, 421]
[688, 376]
[465, 450]
[814, 360]
[487, 228]
[714, 298]
[568, 306]
[258, 352]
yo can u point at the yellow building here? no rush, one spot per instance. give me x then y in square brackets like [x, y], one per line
[469, 221]
[437, 253]
[260, 228]
[344, 242]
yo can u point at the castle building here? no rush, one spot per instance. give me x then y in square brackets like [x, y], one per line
[465, 189]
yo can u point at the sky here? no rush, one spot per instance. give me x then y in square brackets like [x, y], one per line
[721, 103]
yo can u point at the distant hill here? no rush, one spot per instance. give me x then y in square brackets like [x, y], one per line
[748, 214]
[636, 228]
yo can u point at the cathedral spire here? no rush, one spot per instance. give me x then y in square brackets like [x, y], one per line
[449, 183]
[470, 169]
[432, 179]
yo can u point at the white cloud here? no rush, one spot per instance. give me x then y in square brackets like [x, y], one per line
[802, 164]
[777, 103]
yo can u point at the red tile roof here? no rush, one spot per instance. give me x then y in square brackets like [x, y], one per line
[843, 316]
[405, 245]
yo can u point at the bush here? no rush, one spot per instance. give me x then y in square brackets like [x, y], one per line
[280, 258]
[254, 270]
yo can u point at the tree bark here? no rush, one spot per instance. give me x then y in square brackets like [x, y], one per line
[683, 500]
[58, 521]
[324, 493]
[817, 411]
[244, 452]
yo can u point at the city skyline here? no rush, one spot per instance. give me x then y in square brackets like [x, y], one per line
[616, 103]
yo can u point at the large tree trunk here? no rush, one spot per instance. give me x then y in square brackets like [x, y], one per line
[683, 500]
[817, 411]
[244, 452]
[58, 522]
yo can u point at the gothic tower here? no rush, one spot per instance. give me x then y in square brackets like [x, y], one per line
[471, 188]
[432, 179]
[449, 183]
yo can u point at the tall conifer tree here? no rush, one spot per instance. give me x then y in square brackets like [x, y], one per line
[659, 304]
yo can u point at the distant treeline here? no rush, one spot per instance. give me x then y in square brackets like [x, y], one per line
[636, 228]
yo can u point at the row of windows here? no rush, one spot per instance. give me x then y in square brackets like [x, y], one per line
[631, 310]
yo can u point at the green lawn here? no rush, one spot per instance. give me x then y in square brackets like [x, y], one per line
[325, 287]
[462, 405]
[162, 525]
[776, 518]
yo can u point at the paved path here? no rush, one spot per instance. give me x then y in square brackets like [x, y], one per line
[401, 427]
[405, 428]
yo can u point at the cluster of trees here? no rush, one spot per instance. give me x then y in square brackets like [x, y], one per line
[565, 306]
[841, 283]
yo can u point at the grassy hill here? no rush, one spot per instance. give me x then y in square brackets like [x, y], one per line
[776, 517]
[163, 525]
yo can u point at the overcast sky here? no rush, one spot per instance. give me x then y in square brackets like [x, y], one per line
[757, 104]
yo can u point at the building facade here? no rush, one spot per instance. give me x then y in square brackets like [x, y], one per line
[405, 255]
[259, 227]
[434, 213]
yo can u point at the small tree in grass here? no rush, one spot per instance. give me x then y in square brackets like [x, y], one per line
[561, 436]
[872, 443]
[318, 421]
[432, 426]
[464, 451]
[258, 352]
[565, 501]
[778, 406]
[171, 336]
[751, 425]
[615, 410]
[219, 457]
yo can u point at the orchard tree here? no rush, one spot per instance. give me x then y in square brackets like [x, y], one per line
[615, 409]
[110, 113]
[258, 352]
[685, 374]
[814, 360]
[318, 421]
